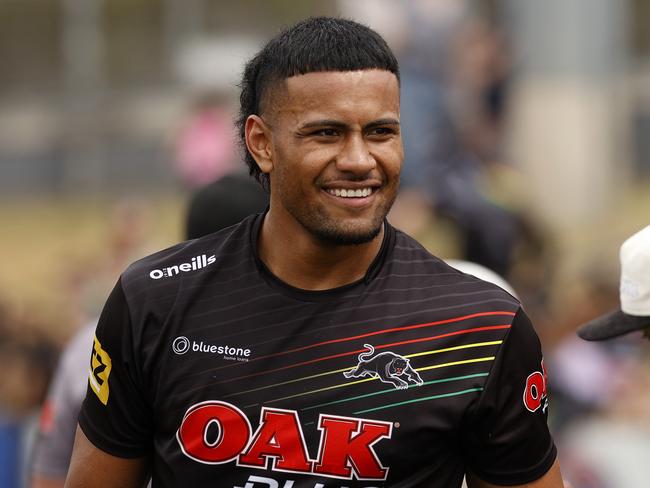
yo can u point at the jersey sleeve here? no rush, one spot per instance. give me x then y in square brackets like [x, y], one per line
[506, 440]
[115, 415]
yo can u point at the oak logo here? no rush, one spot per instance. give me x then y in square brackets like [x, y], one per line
[535, 393]
[264, 482]
[100, 369]
[216, 432]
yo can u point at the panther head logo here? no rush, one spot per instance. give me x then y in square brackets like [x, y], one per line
[388, 367]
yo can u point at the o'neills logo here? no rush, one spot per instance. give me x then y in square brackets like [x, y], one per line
[346, 449]
[197, 262]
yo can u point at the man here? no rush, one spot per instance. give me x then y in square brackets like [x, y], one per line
[314, 345]
[634, 314]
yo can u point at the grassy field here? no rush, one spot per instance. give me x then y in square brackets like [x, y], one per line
[48, 245]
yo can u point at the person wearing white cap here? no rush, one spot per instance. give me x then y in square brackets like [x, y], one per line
[634, 314]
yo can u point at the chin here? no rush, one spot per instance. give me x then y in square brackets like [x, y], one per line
[347, 236]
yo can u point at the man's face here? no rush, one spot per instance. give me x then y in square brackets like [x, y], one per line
[336, 153]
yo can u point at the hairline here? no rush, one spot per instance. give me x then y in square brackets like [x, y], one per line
[280, 83]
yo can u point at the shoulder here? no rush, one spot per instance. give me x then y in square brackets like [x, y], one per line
[481, 272]
[411, 259]
[152, 284]
[185, 259]
[409, 253]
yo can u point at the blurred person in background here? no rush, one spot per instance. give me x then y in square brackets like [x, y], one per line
[634, 312]
[320, 118]
[27, 358]
[125, 239]
[446, 156]
[606, 438]
[223, 203]
[205, 145]
[216, 206]
[89, 284]
[52, 448]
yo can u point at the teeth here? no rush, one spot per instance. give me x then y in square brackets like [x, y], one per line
[345, 193]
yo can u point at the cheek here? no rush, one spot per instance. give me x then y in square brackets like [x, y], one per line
[291, 177]
[304, 164]
[391, 158]
[315, 157]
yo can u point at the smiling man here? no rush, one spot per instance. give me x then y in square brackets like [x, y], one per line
[314, 345]
[331, 148]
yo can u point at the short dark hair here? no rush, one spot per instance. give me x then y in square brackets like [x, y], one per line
[314, 44]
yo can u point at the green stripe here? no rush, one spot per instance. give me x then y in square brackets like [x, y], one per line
[424, 353]
[394, 390]
[391, 405]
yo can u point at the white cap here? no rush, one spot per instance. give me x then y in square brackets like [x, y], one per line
[635, 274]
[634, 292]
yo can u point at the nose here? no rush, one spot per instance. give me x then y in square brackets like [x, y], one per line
[355, 156]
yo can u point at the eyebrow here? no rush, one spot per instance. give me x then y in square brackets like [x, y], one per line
[341, 125]
[380, 122]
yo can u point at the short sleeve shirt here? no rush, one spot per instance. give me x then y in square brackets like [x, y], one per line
[207, 362]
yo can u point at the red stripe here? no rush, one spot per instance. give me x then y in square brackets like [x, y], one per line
[369, 334]
[358, 351]
[384, 331]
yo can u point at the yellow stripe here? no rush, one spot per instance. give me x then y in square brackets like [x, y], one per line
[467, 361]
[477, 360]
[455, 348]
[424, 353]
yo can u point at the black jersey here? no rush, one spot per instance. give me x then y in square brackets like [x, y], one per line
[229, 377]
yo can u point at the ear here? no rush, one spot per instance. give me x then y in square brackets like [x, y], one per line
[258, 142]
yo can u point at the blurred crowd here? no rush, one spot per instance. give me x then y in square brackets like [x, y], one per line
[461, 196]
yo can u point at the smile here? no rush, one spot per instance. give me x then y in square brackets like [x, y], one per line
[350, 193]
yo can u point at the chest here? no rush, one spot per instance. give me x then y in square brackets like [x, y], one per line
[315, 392]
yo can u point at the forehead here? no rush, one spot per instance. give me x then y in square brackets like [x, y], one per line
[366, 93]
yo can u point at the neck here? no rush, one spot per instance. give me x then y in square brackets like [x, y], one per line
[303, 261]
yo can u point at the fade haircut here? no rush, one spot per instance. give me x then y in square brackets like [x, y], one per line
[312, 45]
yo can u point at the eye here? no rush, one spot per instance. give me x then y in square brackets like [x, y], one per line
[382, 132]
[327, 132]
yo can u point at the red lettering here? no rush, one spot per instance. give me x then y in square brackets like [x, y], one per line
[215, 432]
[535, 391]
[278, 436]
[346, 445]
[234, 432]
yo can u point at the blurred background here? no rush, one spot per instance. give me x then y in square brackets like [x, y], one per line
[527, 137]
